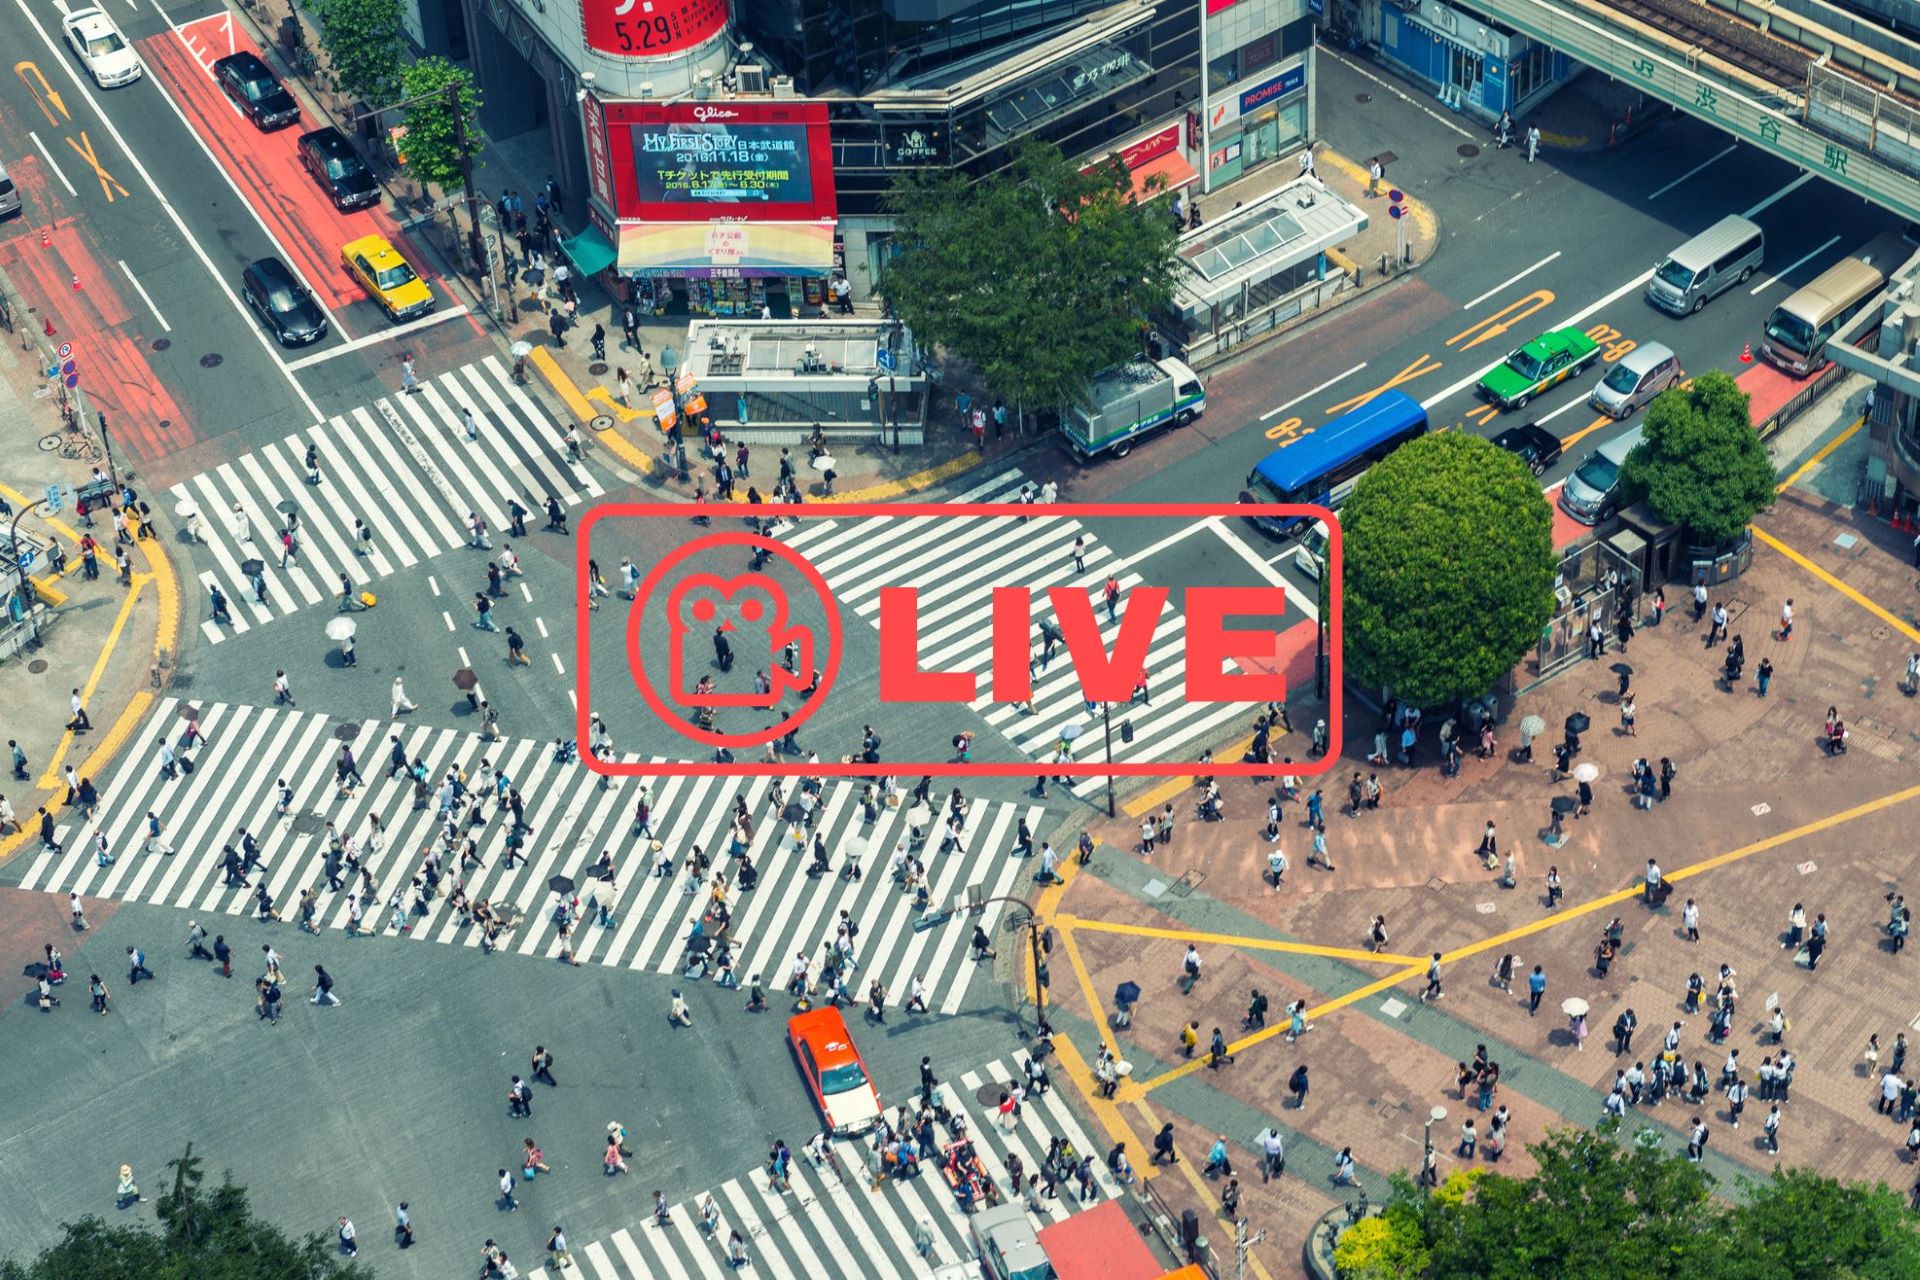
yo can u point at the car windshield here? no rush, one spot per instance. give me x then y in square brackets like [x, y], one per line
[1672, 273]
[256, 89]
[1523, 363]
[1622, 378]
[1265, 490]
[1790, 331]
[283, 299]
[842, 1078]
[337, 168]
[104, 43]
[395, 276]
[1598, 474]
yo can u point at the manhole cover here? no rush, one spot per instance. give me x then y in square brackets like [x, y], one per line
[49, 443]
[37, 666]
[211, 360]
[598, 368]
[1467, 150]
[1363, 98]
[1436, 884]
[161, 344]
[601, 421]
[165, 423]
[989, 1095]
[306, 824]
[346, 732]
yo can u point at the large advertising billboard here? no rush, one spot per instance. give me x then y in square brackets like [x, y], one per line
[651, 28]
[698, 161]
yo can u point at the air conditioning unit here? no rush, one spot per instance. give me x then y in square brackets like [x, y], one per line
[753, 79]
[782, 87]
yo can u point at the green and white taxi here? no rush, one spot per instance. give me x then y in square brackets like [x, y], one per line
[1547, 361]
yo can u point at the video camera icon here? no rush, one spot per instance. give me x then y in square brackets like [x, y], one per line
[746, 613]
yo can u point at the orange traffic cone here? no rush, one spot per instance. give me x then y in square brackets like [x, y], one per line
[49, 326]
[46, 237]
[76, 284]
[1746, 348]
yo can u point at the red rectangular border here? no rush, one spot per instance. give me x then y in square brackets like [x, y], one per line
[680, 512]
[623, 117]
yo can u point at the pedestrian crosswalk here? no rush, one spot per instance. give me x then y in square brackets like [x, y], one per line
[835, 1221]
[405, 466]
[574, 815]
[956, 562]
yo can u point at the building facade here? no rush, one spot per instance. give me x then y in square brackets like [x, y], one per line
[1473, 63]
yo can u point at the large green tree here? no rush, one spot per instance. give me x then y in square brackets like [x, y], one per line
[1701, 464]
[1798, 1225]
[434, 131]
[365, 47]
[1448, 568]
[199, 1236]
[1039, 276]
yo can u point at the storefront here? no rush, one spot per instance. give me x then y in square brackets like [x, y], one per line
[1474, 63]
[720, 207]
[1257, 121]
[855, 380]
[1155, 163]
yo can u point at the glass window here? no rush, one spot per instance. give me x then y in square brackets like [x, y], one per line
[1223, 71]
[1256, 55]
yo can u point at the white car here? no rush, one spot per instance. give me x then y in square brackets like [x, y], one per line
[110, 60]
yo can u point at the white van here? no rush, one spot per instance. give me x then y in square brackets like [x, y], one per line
[1592, 492]
[1723, 255]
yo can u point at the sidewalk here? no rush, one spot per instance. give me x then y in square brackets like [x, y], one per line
[115, 644]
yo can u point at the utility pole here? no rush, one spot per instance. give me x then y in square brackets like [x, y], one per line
[1243, 1246]
[476, 245]
[1106, 724]
[26, 591]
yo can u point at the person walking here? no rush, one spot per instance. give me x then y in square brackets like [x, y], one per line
[558, 1254]
[409, 380]
[1533, 142]
[323, 987]
[400, 703]
[1433, 991]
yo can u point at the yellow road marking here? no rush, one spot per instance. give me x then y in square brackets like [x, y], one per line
[1207, 1195]
[1878, 611]
[584, 409]
[1584, 432]
[52, 775]
[613, 408]
[908, 484]
[1237, 940]
[1154, 797]
[1819, 457]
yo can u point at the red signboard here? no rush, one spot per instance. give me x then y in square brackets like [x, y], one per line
[649, 28]
[719, 160]
[1151, 147]
[599, 165]
[1216, 6]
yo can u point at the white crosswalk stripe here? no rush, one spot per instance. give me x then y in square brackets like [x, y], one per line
[835, 1220]
[251, 750]
[956, 563]
[404, 466]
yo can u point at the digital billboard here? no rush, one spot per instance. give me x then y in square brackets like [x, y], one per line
[729, 159]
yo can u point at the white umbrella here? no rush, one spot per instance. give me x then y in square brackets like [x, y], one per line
[855, 845]
[1574, 1007]
[824, 462]
[1586, 772]
[188, 508]
[919, 816]
[522, 348]
[1072, 731]
[340, 628]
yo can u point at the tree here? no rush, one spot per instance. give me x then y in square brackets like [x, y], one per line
[1387, 1247]
[432, 144]
[1797, 1225]
[365, 47]
[1701, 464]
[1039, 276]
[1448, 568]
[198, 1237]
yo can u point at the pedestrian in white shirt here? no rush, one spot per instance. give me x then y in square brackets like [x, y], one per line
[400, 700]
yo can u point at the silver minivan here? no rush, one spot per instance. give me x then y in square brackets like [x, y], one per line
[1723, 255]
[9, 195]
[1636, 378]
[1592, 492]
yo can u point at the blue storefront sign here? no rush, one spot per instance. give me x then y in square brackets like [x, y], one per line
[1279, 87]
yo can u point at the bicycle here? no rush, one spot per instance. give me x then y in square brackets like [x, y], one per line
[79, 447]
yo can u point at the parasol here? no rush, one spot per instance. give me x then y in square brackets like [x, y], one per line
[465, 678]
[1072, 731]
[533, 275]
[1579, 722]
[1574, 1007]
[1621, 668]
[187, 711]
[187, 507]
[1565, 804]
[1586, 772]
[919, 816]
[1126, 993]
[824, 462]
[855, 845]
[1532, 726]
[792, 812]
[287, 506]
[560, 884]
[252, 567]
[520, 349]
[340, 628]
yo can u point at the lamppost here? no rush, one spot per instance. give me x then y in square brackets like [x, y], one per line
[1039, 944]
[893, 398]
[1106, 725]
[451, 92]
[106, 443]
[669, 363]
[20, 569]
[1427, 1175]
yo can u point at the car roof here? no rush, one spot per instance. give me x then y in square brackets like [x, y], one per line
[375, 247]
[1528, 432]
[1555, 340]
[248, 61]
[272, 271]
[329, 140]
[825, 1032]
[90, 21]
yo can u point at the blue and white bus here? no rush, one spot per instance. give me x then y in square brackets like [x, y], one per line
[1320, 468]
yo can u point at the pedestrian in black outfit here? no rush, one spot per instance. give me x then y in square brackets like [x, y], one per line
[543, 1066]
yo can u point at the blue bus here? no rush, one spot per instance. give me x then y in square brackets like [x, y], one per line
[1321, 467]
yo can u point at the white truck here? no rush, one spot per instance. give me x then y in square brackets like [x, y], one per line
[1131, 399]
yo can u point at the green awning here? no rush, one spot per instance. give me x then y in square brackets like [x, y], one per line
[590, 251]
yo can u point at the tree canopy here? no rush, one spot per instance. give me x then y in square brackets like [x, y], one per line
[365, 47]
[1448, 568]
[1702, 464]
[431, 147]
[1040, 276]
[199, 1236]
[1598, 1208]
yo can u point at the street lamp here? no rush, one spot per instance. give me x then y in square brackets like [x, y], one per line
[1039, 943]
[1106, 725]
[20, 569]
[893, 398]
[451, 92]
[669, 362]
[1427, 1176]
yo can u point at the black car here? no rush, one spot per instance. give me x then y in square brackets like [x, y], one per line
[338, 168]
[283, 304]
[255, 90]
[1532, 444]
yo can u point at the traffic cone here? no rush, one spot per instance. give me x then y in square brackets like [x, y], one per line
[46, 237]
[76, 284]
[1746, 348]
[49, 326]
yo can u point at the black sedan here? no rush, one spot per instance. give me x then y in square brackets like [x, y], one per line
[338, 168]
[1532, 444]
[283, 304]
[256, 91]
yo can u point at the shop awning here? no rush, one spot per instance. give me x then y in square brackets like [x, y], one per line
[1172, 167]
[590, 252]
[728, 250]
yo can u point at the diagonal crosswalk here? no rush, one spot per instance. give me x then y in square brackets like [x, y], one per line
[956, 563]
[404, 466]
[835, 1221]
[574, 815]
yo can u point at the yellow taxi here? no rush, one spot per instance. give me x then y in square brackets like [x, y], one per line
[382, 272]
[833, 1070]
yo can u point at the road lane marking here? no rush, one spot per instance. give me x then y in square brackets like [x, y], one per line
[1307, 395]
[1570, 441]
[365, 340]
[1779, 195]
[145, 296]
[1820, 457]
[1569, 407]
[1512, 280]
[1415, 103]
[1238, 546]
[108, 183]
[1797, 262]
[1697, 168]
[52, 165]
[44, 93]
[173, 214]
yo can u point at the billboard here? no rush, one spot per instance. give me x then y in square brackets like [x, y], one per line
[699, 161]
[650, 28]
